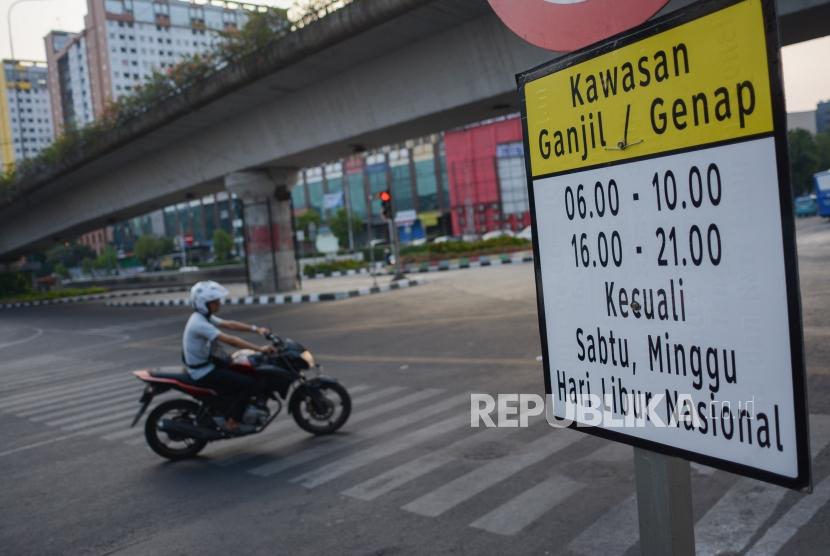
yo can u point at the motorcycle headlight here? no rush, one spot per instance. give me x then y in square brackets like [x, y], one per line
[308, 358]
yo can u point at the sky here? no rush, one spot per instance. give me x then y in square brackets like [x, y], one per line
[806, 77]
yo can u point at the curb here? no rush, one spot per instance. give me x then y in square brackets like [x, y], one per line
[93, 297]
[337, 274]
[464, 264]
[439, 267]
[277, 299]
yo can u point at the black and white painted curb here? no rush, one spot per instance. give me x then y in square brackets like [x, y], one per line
[437, 267]
[338, 273]
[281, 299]
[463, 264]
[93, 297]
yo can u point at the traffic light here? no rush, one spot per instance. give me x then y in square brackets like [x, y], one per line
[386, 204]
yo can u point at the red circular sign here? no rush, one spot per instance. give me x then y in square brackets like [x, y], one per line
[565, 25]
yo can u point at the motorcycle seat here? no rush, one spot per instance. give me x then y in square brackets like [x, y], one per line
[179, 374]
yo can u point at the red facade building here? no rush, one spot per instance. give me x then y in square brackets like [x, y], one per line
[486, 174]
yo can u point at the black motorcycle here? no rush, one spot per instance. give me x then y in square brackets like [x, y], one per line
[181, 428]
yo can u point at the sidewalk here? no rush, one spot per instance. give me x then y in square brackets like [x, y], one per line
[324, 289]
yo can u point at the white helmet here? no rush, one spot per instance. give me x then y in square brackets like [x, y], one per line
[204, 292]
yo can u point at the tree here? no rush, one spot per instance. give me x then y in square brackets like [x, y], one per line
[70, 255]
[339, 224]
[306, 219]
[86, 265]
[222, 244]
[61, 270]
[804, 161]
[149, 248]
[107, 260]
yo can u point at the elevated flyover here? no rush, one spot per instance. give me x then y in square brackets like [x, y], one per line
[372, 73]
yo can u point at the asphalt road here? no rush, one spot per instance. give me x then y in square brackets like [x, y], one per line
[407, 475]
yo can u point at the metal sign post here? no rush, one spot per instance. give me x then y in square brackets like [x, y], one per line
[664, 504]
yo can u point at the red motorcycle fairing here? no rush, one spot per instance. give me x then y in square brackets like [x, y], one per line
[175, 377]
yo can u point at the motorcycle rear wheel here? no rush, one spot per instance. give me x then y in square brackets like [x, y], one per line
[323, 420]
[167, 445]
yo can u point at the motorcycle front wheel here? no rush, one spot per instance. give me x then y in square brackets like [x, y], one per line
[322, 410]
[169, 444]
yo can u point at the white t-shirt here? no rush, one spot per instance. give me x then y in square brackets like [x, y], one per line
[199, 334]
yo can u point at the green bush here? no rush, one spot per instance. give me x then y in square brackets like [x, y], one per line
[14, 283]
[227, 262]
[149, 248]
[463, 248]
[333, 266]
[107, 260]
[61, 270]
[53, 294]
[222, 245]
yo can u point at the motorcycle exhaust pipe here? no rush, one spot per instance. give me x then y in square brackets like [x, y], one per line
[191, 431]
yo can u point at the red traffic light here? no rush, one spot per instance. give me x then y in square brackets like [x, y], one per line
[385, 196]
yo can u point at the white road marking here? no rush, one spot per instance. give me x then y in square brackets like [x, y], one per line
[356, 460]
[733, 520]
[118, 423]
[137, 431]
[56, 393]
[617, 530]
[38, 444]
[95, 410]
[26, 405]
[723, 529]
[107, 418]
[297, 436]
[527, 507]
[37, 334]
[612, 534]
[788, 525]
[612, 452]
[411, 470]
[53, 410]
[358, 389]
[465, 487]
[372, 396]
[334, 445]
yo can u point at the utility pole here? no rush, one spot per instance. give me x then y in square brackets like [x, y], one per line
[369, 236]
[388, 210]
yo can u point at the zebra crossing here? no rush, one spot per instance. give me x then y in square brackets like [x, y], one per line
[399, 438]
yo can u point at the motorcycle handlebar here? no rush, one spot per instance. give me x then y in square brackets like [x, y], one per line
[273, 338]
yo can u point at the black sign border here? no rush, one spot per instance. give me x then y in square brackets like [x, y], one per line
[803, 480]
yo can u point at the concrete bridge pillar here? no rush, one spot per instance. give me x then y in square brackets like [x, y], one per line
[269, 231]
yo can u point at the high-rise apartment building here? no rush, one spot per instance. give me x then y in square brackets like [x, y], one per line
[69, 83]
[823, 116]
[25, 112]
[123, 42]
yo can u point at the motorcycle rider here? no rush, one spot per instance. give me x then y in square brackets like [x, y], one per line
[206, 363]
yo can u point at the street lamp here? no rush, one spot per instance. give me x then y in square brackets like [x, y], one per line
[9, 21]
[14, 60]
